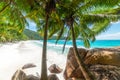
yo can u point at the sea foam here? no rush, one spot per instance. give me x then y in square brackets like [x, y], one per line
[14, 55]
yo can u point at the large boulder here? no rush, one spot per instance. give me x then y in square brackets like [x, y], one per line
[20, 75]
[32, 77]
[105, 72]
[29, 65]
[53, 77]
[72, 68]
[92, 58]
[106, 56]
[55, 69]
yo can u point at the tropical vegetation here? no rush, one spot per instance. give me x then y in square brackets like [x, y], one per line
[82, 19]
[32, 35]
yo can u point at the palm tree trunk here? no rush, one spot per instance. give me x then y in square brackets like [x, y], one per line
[87, 75]
[44, 62]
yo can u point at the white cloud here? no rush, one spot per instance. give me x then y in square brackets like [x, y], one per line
[115, 22]
[109, 36]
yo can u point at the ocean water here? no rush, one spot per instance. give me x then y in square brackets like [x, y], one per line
[14, 55]
[95, 44]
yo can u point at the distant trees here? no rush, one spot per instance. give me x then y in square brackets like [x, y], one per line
[32, 35]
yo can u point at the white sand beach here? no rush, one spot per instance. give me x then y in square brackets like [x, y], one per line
[14, 55]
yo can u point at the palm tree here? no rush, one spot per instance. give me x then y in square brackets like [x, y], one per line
[46, 9]
[50, 6]
[77, 25]
[77, 16]
[39, 11]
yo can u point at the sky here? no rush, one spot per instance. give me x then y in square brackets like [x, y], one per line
[112, 33]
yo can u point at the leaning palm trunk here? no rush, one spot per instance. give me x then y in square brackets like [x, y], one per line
[87, 75]
[44, 63]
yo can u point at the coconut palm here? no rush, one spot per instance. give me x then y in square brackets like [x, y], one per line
[38, 11]
[42, 16]
[74, 15]
[78, 15]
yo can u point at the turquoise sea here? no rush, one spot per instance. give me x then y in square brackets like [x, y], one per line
[20, 53]
[97, 43]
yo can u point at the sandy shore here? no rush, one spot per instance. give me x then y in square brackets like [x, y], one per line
[14, 55]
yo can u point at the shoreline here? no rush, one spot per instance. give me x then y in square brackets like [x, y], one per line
[14, 55]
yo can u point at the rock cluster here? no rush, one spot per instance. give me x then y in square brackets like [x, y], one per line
[54, 69]
[53, 77]
[20, 74]
[103, 63]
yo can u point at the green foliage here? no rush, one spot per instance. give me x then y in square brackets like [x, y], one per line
[12, 22]
[10, 35]
[99, 14]
[89, 12]
[62, 17]
[32, 35]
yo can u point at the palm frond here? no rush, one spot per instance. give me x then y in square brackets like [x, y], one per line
[100, 27]
[60, 34]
